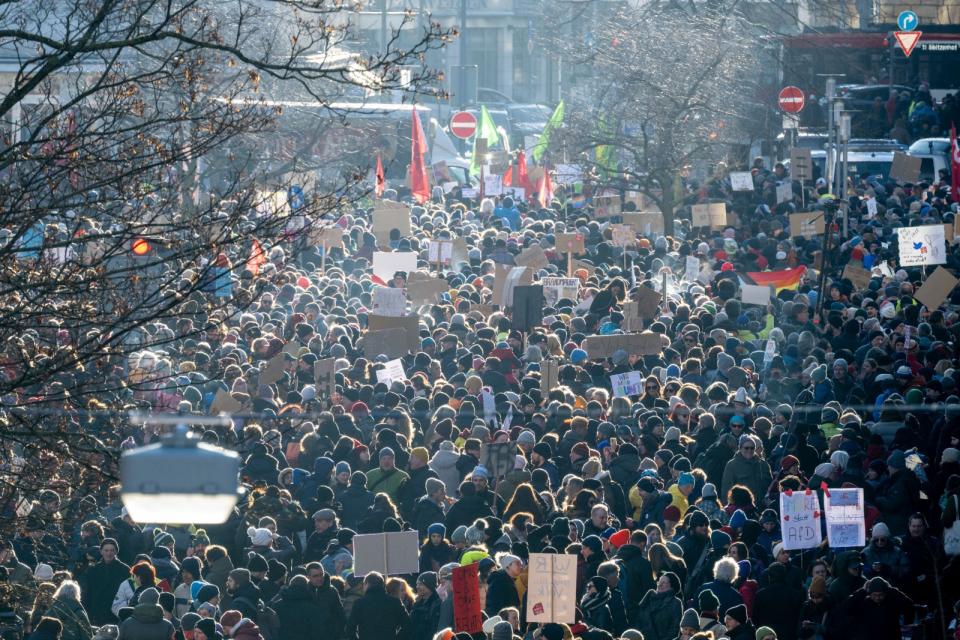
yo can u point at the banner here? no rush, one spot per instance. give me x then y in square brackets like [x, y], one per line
[800, 520]
[388, 553]
[922, 245]
[556, 289]
[467, 615]
[846, 526]
[552, 588]
[627, 384]
[644, 344]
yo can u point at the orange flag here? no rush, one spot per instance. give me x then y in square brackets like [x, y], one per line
[257, 258]
[545, 190]
[381, 178]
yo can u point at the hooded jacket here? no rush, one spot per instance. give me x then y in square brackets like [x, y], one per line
[146, 623]
[444, 464]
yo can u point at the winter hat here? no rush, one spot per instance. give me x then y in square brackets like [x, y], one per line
[708, 601]
[434, 484]
[459, 535]
[877, 585]
[699, 519]
[672, 434]
[275, 570]
[421, 454]
[508, 559]
[207, 592]
[880, 530]
[671, 513]
[502, 631]
[552, 631]
[690, 618]
[342, 467]
[819, 374]
[149, 596]
[738, 613]
[765, 632]
[593, 543]
[191, 565]
[189, 621]
[840, 459]
[230, 619]
[260, 537]
[240, 576]
[620, 538]
[950, 455]
[631, 634]
[43, 572]
[257, 563]
[720, 539]
[769, 515]
[709, 490]
[685, 478]
[437, 528]
[738, 519]
[162, 538]
[208, 627]
[480, 471]
[386, 451]
[490, 623]
[428, 579]
[527, 437]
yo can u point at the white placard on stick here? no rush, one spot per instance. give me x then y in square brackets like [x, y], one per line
[800, 520]
[388, 301]
[784, 192]
[627, 384]
[385, 263]
[741, 181]
[392, 371]
[922, 245]
[755, 294]
[846, 526]
[391, 554]
[556, 289]
[552, 588]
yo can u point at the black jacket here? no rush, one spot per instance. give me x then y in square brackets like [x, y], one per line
[501, 592]
[328, 598]
[424, 617]
[638, 576]
[413, 489]
[301, 617]
[103, 580]
[778, 607]
[355, 501]
[425, 513]
[378, 616]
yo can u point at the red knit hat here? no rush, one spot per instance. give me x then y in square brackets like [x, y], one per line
[620, 538]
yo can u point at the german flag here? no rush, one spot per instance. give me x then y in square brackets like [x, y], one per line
[779, 280]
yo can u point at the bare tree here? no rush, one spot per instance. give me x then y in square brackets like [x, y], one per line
[139, 139]
[679, 85]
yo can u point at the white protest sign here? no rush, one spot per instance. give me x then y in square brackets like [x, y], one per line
[741, 181]
[871, 208]
[769, 352]
[800, 520]
[385, 263]
[392, 371]
[440, 251]
[391, 554]
[489, 404]
[922, 245]
[627, 384]
[755, 294]
[784, 192]
[692, 269]
[388, 301]
[846, 526]
[468, 192]
[556, 289]
[552, 588]
[492, 185]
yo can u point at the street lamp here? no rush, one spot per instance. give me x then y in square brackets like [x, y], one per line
[179, 480]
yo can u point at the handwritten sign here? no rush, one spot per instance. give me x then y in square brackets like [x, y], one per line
[467, 616]
[800, 520]
[440, 251]
[552, 590]
[844, 511]
[712, 215]
[784, 192]
[647, 343]
[807, 225]
[388, 301]
[391, 342]
[645, 223]
[755, 294]
[801, 164]
[388, 553]
[626, 384]
[325, 377]
[741, 181]
[533, 257]
[392, 372]
[556, 289]
[386, 264]
[858, 276]
[922, 245]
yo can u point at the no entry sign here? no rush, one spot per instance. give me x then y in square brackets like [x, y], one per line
[463, 124]
[791, 99]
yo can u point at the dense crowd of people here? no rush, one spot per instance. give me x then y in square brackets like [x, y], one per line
[667, 497]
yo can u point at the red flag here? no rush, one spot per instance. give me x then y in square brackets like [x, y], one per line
[508, 177]
[419, 185]
[545, 190]
[954, 164]
[257, 258]
[381, 178]
[523, 178]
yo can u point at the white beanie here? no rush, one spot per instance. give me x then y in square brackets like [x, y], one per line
[508, 559]
[43, 572]
[260, 537]
[840, 459]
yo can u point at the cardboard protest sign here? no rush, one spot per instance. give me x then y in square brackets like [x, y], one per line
[642, 201]
[505, 279]
[467, 615]
[632, 320]
[741, 181]
[846, 526]
[807, 224]
[389, 342]
[623, 235]
[388, 301]
[392, 372]
[801, 164]
[556, 289]
[533, 257]
[549, 373]
[570, 243]
[938, 287]
[387, 216]
[224, 402]
[712, 215]
[440, 251]
[273, 370]
[410, 325]
[644, 344]
[922, 245]
[552, 588]
[324, 377]
[649, 302]
[627, 384]
[386, 263]
[769, 352]
[498, 457]
[388, 553]
[800, 520]
[527, 306]
[858, 276]
[784, 192]
[905, 168]
[606, 206]
[646, 223]
[426, 291]
[755, 294]
[331, 237]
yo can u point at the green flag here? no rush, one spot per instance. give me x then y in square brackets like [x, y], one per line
[604, 154]
[486, 129]
[556, 120]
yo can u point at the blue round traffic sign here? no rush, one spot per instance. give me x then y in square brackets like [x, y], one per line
[907, 21]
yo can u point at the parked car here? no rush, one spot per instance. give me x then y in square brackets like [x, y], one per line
[934, 154]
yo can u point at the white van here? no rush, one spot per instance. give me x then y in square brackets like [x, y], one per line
[934, 154]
